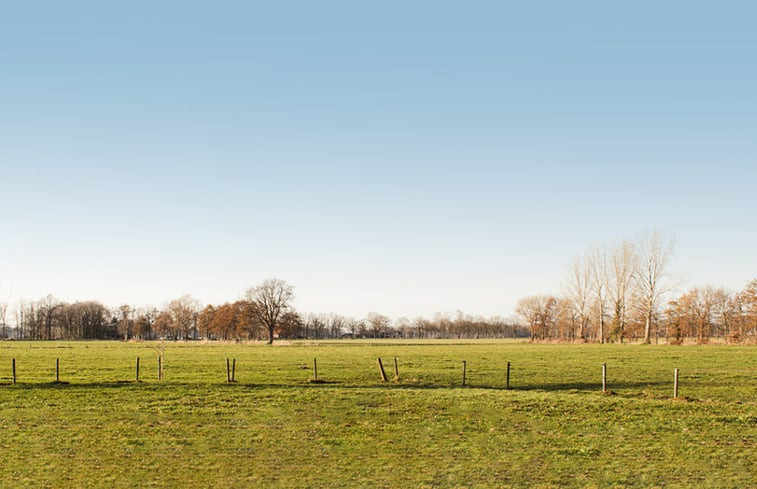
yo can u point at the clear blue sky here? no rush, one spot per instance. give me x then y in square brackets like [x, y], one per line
[400, 157]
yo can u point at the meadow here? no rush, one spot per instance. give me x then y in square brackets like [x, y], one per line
[275, 427]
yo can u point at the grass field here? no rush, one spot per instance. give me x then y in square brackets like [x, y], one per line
[274, 428]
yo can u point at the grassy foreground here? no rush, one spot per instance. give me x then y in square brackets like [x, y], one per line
[274, 428]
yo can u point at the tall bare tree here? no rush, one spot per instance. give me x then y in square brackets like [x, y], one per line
[623, 264]
[3, 319]
[143, 325]
[315, 325]
[725, 311]
[270, 300]
[597, 259]
[355, 327]
[749, 300]
[378, 324]
[125, 317]
[654, 252]
[48, 305]
[704, 303]
[539, 313]
[578, 291]
[404, 327]
[184, 311]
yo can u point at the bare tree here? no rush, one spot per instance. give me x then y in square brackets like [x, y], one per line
[48, 305]
[725, 311]
[270, 300]
[597, 262]
[578, 289]
[654, 252]
[21, 331]
[164, 325]
[4, 313]
[675, 317]
[183, 312]
[378, 323]
[315, 325]
[143, 325]
[704, 308]
[420, 324]
[125, 317]
[538, 311]
[355, 326]
[623, 264]
[205, 320]
[403, 325]
[335, 324]
[749, 300]
[3, 319]
[290, 325]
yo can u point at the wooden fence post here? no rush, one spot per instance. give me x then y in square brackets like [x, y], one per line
[464, 368]
[396, 371]
[228, 371]
[675, 384]
[160, 367]
[315, 370]
[508, 376]
[604, 377]
[14, 371]
[57, 370]
[381, 370]
[233, 369]
[137, 369]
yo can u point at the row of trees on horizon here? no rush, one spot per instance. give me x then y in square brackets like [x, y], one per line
[264, 313]
[625, 292]
[611, 294]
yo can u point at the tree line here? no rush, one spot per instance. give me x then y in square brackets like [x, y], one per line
[625, 292]
[265, 313]
[610, 294]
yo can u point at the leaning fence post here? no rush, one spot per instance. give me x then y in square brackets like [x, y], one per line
[508, 376]
[464, 368]
[381, 370]
[228, 371]
[675, 384]
[396, 371]
[604, 377]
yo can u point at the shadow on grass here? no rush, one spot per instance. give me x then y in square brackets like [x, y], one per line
[69, 385]
[588, 386]
[331, 384]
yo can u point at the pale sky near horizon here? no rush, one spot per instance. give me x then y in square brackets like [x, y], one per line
[399, 157]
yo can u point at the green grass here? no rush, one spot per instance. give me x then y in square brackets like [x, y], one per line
[275, 428]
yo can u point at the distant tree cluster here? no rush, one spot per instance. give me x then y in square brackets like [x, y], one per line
[48, 319]
[264, 313]
[375, 325]
[624, 292]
